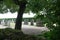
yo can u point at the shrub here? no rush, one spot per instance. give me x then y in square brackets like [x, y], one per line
[53, 34]
[11, 34]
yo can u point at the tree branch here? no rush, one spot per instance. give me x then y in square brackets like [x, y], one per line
[1, 0]
[17, 2]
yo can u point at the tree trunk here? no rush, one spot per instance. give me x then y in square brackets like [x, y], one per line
[19, 16]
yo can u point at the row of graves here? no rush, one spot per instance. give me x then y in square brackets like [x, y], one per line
[33, 22]
[26, 21]
[6, 22]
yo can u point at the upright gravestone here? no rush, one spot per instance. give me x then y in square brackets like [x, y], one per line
[2, 22]
[12, 21]
[26, 21]
[32, 22]
[39, 23]
[9, 23]
[5, 23]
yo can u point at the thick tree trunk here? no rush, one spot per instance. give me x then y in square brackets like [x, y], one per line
[19, 16]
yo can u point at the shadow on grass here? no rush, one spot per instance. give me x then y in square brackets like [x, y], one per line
[12, 34]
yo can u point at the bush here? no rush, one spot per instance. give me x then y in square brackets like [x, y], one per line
[11, 34]
[47, 35]
[53, 34]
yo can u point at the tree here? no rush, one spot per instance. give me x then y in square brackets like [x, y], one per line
[51, 7]
[52, 19]
[24, 6]
[50, 14]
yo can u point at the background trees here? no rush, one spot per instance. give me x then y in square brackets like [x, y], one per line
[21, 6]
[51, 17]
[50, 7]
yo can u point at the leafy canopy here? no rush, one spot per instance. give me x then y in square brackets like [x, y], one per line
[32, 5]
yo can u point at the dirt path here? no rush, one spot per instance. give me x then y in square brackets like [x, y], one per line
[28, 29]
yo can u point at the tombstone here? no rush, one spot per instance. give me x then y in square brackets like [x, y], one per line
[2, 22]
[32, 22]
[39, 23]
[8, 24]
[5, 23]
[12, 21]
[26, 21]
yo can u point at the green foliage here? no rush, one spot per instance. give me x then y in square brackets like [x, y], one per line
[34, 6]
[52, 17]
[53, 34]
[3, 8]
[47, 35]
[11, 34]
[8, 4]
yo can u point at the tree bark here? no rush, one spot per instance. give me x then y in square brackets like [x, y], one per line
[18, 24]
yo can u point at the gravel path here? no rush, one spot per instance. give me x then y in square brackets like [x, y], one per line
[28, 29]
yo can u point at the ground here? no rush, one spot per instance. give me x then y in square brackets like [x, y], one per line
[28, 29]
